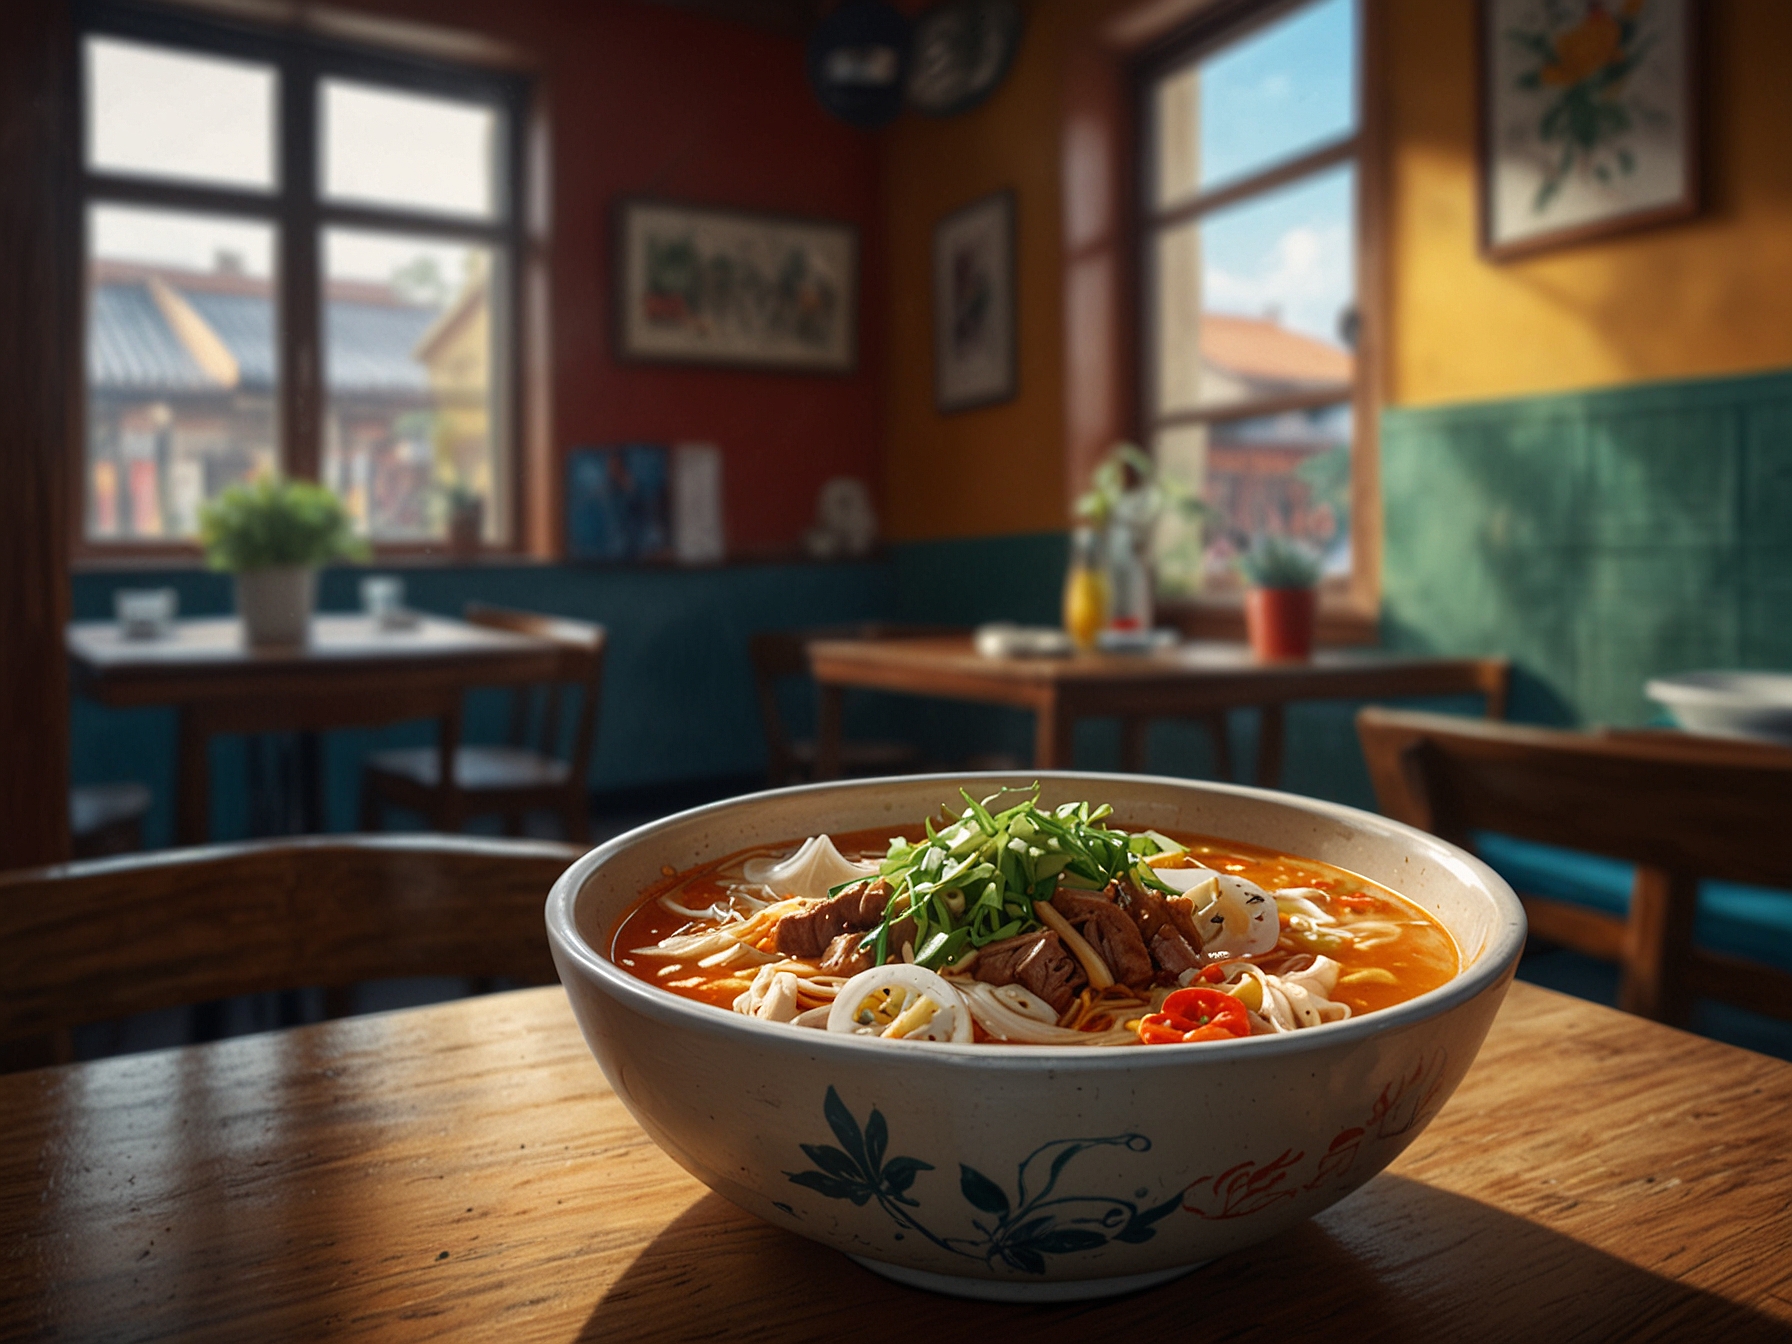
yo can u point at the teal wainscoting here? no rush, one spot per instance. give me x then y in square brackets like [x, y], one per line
[1599, 538]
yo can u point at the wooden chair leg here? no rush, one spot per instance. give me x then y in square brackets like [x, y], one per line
[575, 814]
[1657, 941]
[1269, 747]
[446, 805]
[1135, 744]
[1220, 733]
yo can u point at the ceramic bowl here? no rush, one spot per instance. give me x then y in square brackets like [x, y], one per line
[1729, 704]
[1031, 1172]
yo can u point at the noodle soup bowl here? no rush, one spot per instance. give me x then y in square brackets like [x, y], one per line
[1023, 1172]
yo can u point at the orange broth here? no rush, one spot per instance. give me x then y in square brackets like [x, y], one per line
[1423, 957]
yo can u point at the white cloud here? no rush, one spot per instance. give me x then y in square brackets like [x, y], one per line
[1305, 276]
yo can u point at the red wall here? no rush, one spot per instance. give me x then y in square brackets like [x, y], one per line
[648, 100]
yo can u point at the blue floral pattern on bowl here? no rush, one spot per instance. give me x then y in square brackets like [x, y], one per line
[1018, 1232]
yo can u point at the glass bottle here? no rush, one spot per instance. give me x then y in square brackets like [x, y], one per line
[1085, 588]
[1129, 581]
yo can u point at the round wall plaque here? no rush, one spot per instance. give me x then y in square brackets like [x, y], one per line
[961, 51]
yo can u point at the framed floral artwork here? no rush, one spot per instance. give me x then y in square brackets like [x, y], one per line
[699, 285]
[973, 305]
[1589, 119]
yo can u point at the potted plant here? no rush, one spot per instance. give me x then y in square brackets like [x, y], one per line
[466, 518]
[273, 535]
[1281, 602]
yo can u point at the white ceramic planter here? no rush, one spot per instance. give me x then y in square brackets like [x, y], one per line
[276, 604]
[1033, 1173]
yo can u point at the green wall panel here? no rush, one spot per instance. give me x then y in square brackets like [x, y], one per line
[1597, 538]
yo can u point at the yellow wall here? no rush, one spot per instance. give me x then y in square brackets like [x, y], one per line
[999, 468]
[1712, 295]
[1709, 296]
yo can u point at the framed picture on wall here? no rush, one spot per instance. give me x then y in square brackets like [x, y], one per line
[705, 286]
[1589, 119]
[973, 305]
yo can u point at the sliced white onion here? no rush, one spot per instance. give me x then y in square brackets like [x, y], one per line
[690, 944]
[1300, 901]
[1295, 1001]
[951, 1019]
[998, 1013]
[1199, 883]
[809, 873]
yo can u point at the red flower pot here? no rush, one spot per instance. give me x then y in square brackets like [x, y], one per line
[1280, 623]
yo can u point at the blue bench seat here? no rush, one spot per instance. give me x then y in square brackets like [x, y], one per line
[1750, 922]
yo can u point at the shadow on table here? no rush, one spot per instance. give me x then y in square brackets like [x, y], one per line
[1399, 1260]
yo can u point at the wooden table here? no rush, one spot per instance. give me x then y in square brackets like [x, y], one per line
[1190, 681]
[351, 673]
[464, 1172]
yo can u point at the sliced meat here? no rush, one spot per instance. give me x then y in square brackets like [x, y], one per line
[844, 956]
[1113, 935]
[1166, 923]
[1038, 962]
[807, 933]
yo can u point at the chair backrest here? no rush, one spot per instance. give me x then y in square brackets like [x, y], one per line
[777, 655]
[1682, 804]
[92, 941]
[582, 648]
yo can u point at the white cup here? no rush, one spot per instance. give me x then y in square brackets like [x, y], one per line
[382, 597]
[145, 613]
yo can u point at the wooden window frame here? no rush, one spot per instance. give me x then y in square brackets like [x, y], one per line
[300, 214]
[1349, 607]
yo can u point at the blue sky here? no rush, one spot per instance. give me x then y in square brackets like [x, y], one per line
[1278, 92]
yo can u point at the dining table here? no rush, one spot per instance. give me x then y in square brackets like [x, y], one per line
[353, 671]
[1196, 679]
[464, 1171]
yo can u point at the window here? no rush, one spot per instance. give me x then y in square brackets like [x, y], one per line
[299, 258]
[1251, 385]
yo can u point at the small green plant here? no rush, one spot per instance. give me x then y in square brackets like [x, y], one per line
[1127, 488]
[1279, 562]
[273, 522]
[457, 496]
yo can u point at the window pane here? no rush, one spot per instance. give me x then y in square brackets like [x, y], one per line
[159, 112]
[387, 147]
[1257, 300]
[180, 365]
[1276, 93]
[408, 367]
[1287, 475]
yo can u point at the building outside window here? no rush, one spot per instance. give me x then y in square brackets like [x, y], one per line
[1251, 382]
[300, 259]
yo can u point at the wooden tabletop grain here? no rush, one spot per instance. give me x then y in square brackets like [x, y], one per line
[206, 659]
[1189, 680]
[943, 659]
[463, 1172]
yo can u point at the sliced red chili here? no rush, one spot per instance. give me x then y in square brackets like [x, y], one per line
[1195, 1014]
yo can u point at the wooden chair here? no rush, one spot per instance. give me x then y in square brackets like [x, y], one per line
[526, 774]
[782, 655]
[107, 938]
[1679, 807]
